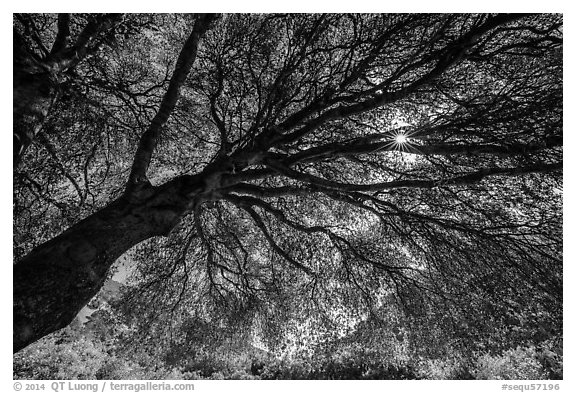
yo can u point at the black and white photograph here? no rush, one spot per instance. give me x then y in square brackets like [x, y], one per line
[287, 196]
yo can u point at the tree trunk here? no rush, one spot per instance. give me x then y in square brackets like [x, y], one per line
[34, 94]
[56, 279]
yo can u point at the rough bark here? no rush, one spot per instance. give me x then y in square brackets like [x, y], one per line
[34, 93]
[54, 281]
[59, 277]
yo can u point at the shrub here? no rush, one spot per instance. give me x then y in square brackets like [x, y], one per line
[550, 357]
[519, 363]
[455, 367]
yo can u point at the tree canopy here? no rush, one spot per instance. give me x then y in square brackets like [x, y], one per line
[266, 169]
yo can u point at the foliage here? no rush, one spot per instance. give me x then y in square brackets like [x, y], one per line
[72, 354]
[69, 354]
[364, 196]
[109, 347]
[519, 363]
[77, 359]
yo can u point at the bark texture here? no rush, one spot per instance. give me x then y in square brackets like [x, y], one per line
[58, 278]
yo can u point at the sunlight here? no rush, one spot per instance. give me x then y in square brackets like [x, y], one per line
[401, 141]
[401, 138]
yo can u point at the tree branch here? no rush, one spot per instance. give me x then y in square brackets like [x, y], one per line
[363, 145]
[458, 180]
[63, 34]
[279, 250]
[66, 58]
[149, 139]
[224, 145]
[452, 54]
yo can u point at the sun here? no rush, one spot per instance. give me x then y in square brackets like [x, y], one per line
[401, 139]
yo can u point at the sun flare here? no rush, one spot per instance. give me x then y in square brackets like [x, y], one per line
[401, 138]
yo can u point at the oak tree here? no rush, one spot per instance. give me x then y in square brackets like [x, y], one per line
[343, 159]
